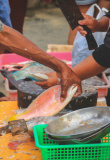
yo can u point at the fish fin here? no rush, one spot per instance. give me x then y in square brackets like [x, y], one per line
[16, 116]
[12, 118]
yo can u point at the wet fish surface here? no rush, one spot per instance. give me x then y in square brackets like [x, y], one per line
[46, 104]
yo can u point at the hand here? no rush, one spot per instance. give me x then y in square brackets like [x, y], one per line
[91, 22]
[52, 80]
[68, 78]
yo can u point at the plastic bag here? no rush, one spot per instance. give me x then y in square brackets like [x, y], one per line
[80, 46]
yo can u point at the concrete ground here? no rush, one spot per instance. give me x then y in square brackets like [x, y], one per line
[46, 26]
[43, 26]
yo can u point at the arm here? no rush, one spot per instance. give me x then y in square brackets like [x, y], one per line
[15, 42]
[99, 60]
[85, 69]
[91, 66]
[94, 64]
[88, 68]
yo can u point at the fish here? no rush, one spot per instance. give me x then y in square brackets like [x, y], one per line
[33, 70]
[47, 103]
[38, 120]
[21, 126]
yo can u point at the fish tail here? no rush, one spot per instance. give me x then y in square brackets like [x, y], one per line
[16, 116]
[12, 118]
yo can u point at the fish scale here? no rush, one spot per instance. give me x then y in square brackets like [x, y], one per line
[46, 104]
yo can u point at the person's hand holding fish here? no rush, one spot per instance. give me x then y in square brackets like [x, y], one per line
[66, 78]
[52, 80]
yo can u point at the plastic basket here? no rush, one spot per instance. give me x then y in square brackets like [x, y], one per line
[65, 56]
[11, 58]
[51, 150]
[12, 92]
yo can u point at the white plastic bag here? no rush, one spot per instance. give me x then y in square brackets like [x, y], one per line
[80, 46]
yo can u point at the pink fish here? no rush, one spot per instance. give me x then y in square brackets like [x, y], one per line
[46, 104]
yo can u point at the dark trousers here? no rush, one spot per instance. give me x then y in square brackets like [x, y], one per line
[108, 98]
[18, 11]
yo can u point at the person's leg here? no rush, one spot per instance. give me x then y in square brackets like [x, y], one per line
[5, 12]
[18, 11]
[102, 3]
[108, 98]
[83, 9]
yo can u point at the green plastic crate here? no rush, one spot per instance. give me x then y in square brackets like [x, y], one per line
[51, 150]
